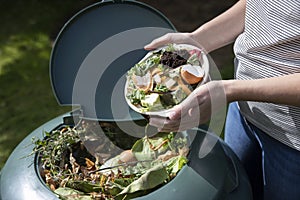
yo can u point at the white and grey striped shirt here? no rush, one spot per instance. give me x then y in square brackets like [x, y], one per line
[269, 47]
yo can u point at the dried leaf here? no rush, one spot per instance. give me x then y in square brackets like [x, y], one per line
[90, 165]
[166, 156]
[75, 166]
[50, 181]
[101, 158]
[184, 151]
[64, 182]
[52, 186]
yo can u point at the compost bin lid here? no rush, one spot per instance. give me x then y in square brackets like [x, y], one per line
[95, 49]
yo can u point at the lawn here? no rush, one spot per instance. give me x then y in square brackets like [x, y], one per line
[26, 98]
[27, 31]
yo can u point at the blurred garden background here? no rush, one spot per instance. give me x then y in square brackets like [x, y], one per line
[27, 31]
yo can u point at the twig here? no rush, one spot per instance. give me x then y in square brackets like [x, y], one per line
[120, 165]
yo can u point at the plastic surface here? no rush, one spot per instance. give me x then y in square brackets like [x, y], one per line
[19, 179]
[93, 52]
[218, 175]
[216, 166]
[188, 184]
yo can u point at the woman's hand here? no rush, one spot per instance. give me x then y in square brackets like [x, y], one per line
[178, 38]
[212, 35]
[196, 109]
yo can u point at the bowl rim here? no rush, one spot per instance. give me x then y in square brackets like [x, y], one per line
[165, 112]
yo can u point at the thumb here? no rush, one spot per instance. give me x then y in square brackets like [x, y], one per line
[158, 42]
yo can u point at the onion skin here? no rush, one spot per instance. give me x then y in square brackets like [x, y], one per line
[186, 90]
[145, 82]
[127, 156]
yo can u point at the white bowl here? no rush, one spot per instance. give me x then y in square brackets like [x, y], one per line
[164, 112]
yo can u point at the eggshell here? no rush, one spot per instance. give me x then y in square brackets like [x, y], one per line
[192, 74]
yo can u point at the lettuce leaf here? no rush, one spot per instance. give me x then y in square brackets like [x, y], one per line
[143, 148]
[152, 178]
[175, 164]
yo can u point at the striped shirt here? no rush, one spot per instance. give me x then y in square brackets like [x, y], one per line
[270, 47]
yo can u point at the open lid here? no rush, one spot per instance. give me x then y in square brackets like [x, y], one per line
[94, 51]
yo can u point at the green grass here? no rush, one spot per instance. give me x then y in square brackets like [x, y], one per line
[26, 97]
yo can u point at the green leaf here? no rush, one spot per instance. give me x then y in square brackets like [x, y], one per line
[142, 148]
[136, 96]
[175, 164]
[152, 178]
[170, 47]
[47, 134]
[194, 60]
[66, 193]
[152, 102]
[84, 186]
[123, 182]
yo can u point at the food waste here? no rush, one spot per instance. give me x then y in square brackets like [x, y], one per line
[164, 77]
[85, 162]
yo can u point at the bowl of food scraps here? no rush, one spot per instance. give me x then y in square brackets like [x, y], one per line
[165, 77]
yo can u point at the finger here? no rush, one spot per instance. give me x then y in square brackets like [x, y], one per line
[181, 110]
[169, 126]
[157, 121]
[184, 108]
[190, 120]
[163, 124]
[180, 125]
[169, 129]
[158, 42]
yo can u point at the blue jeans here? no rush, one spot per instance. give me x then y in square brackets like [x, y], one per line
[272, 167]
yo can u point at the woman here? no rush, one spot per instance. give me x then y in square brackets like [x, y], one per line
[263, 120]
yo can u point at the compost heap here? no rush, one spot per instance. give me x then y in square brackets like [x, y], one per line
[107, 171]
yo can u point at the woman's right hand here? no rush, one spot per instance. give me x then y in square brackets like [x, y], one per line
[178, 38]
